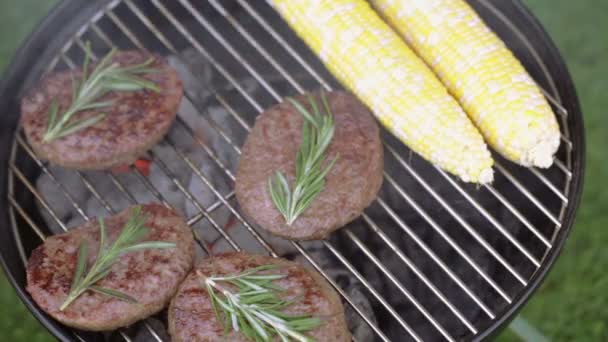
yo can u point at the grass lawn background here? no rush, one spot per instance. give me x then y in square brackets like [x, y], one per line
[572, 304]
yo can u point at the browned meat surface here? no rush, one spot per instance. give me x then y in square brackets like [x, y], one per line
[150, 276]
[191, 317]
[135, 123]
[351, 185]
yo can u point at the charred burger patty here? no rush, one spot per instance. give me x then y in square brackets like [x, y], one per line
[350, 186]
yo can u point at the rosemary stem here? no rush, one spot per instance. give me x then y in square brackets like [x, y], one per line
[52, 133]
[71, 297]
[106, 76]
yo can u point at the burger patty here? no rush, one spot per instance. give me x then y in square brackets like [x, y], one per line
[191, 316]
[135, 122]
[350, 186]
[150, 276]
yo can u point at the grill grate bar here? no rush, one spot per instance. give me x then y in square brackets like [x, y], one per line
[204, 146]
[557, 104]
[485, 214]
[53, 214]
[197, 204]
[164, 168]
[197, 15]
[158, 195]
[400, 286]
[321, 271]
[106, 206]
[73, 203]
[550, 185]
[37, 196]
[239, 28]
[372, 290]
[196, 171]
[197, 217]
[223, 200]
[519, 215]
[376, 330]
[565, 141]
[27, 219]
[96, 194]
[260, 20]
[564, 168]
[531, 197]
[430, 252]
[519, 277]
[460, 220]
[204, 52]
[373, 226]
[165, 39]
[490, 218]
[111, 210]
[419, 242]
[44, 169]
[371, 324]
[253, 42]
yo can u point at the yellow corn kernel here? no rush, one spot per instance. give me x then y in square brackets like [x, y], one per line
[370, 59]
[481, 72]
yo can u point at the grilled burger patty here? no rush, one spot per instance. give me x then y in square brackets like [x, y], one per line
[191, 317]
[150, 276]
[133, 124]
[351, 185]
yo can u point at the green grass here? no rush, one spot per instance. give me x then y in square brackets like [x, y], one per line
[17, 19]
[573, 303]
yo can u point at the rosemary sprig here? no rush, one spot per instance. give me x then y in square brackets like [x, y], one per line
[255, 309]
[105, 77]
[126, 242]
[317, 132]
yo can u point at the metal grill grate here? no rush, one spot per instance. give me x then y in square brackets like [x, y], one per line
[449, 255]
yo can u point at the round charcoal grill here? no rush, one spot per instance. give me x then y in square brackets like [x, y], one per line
[432, 258]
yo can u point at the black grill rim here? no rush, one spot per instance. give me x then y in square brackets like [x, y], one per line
[43, 44]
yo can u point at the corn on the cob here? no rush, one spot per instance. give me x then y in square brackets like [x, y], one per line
[481, 72]
[370, 59]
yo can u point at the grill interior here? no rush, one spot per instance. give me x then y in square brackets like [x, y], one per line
[432, 259]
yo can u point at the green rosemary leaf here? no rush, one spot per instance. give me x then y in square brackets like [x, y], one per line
[126, 242]
[81, 124]
[53, 113]
[87, 58]
[279, 191]
[81, 264]
[149, 245]
[138, 68]
[136, 234]
[122, 82]
[96, 105]
[100, 274]
[303, 111]
[214, 305]
[144, 70]
[106, 76]
[249, 303]
[113, 293]
[75, 86]
[317, 133]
